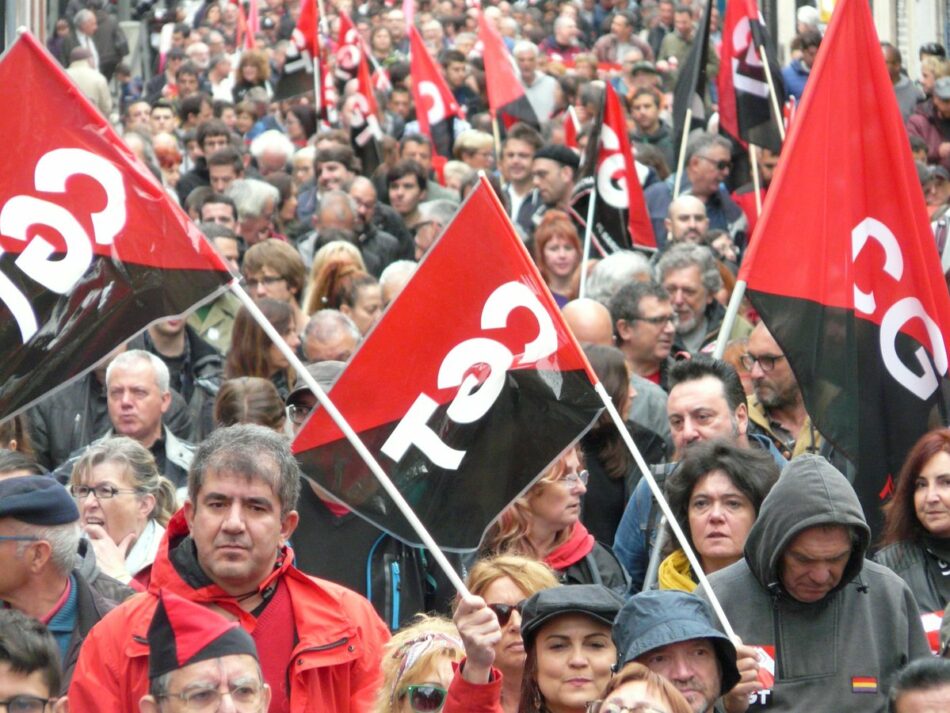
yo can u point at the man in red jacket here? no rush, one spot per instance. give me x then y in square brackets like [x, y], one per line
[226, 549]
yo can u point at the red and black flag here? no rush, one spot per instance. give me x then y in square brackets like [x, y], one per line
[362, 116]
[745, 108]
[436, 108]
[843, 267]
[92, 250]
[690, 89]
[465, 411]
[302, 51]
[349, 50]
[608, 170]
[506, 97]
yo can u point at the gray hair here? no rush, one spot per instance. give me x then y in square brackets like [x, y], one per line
[308, 153]
[252, 452]
[687, 255]
[250, 196]
[83, 16]
[272, 141]
[327, 323]
[525, 46]
[63, 542]
[396, 271]
[337, 201]
[439, 211]
[700, 141]
[613, 272]
[137, 356]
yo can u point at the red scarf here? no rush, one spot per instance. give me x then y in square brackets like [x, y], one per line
[576, 548]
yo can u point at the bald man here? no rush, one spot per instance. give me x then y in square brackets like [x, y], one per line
[686, 220]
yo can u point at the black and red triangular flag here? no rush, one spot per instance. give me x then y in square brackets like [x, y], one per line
[506, 96]
[435, 106]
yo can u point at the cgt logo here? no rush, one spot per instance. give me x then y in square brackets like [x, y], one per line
[924, 384]
[473, 399]
[748, 74]
[21, 212]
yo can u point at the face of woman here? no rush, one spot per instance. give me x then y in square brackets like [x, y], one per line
[932, 495]
[560, 257]
[558, 504]
[120, 515]
[369, 305]
[294, 127]
[276, 358]
[249, 72]
[720, 517]
[574, 654]
[509, 651]
[440, 674]
[303, 170]
[633, 694]
[288, 211]
[382, 42]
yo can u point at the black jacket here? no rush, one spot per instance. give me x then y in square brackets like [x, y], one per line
[91, 606]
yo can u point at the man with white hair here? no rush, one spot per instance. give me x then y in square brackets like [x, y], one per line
[394, 279]
[272, 151]
[255, 202]
[199, 55]
[85, 25]
[540, 88]
[329, 336]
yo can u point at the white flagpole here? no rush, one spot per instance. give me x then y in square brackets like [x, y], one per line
[681, 159]
[756, 183]
[775, 107]
[352, 437]
[588, 235]
[732, 311]
[665, 507]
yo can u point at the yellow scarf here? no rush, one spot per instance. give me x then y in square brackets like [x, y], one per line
[675, 573]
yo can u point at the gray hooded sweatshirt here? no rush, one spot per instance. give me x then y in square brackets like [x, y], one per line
[840, 653]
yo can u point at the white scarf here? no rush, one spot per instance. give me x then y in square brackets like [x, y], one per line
[145, 549]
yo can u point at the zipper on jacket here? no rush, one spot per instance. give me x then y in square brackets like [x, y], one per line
[774, 591]
[394, 570]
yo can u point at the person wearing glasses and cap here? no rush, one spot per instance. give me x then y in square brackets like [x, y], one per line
[39, 539]
[29, 666]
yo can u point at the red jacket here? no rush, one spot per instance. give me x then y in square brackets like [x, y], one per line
[335, 665]
[466, 697]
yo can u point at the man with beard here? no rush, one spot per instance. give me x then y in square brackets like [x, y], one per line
[686, 221]
[776, 405]
[644, 326]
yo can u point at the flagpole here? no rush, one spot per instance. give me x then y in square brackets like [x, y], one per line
[665, 507]
[496, 134]
[681, 159]
[772, 94]
[732, 311]
[756, 183]
[351, 436]
[588, 234]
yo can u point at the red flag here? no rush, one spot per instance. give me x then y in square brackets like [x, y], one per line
[843, 267]
[303, 50]
[305, 33]
[572, 127]
[745, 108]
[349, 49]
[435, 105]
[506, 96]
[465, 413]
[94, 248]
[253, 25]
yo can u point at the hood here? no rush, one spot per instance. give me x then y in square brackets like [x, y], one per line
[809, 492]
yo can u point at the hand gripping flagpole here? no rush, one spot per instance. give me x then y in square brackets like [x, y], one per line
[665, 507]
[352, 437]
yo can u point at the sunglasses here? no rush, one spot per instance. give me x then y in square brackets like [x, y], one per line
[503, 611]
[426, 698]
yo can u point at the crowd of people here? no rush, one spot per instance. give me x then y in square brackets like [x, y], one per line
[162, 550]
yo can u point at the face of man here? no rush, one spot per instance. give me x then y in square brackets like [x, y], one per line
[138, 117]
[619, 28]
[214, 143]
[665, 13]
[237, 674]
[162, 119]
[363, 193]
[255, 228]
[399, 104]
[426, 234]
[238, 528]
[688, 296]
[516, 161]
[421, 153]
[267, 282]
[552, 180]
[222, 177]
[692, 667]
[687, 221]
[698, 411]
[814, 562]
[332, 175]
[775, 387]
[455, 74]
[405, 194]
[708, 169]
[16, 683]
[932, 699]
[768, 162]
[90, 26]
[396, 24]
[942, 107]
[187, 84]
[527, 64]
[565, 32]
[646, 343]
[339, 347]
[220, 213]
[228, 247]
[683, 25]
[808, 56]
[135, 402]
[646, 113]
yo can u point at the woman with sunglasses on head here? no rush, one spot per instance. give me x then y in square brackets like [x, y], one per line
[569, 653]
[124, 505]
[545, 524]
[417, 667]
[637, 689]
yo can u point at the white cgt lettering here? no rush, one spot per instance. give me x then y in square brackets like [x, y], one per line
[893, 259]
[472, 401]
[436, 112]
[51, 174]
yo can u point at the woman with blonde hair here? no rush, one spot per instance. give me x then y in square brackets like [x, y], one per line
[417, 667]
[637, 689]
[322, 268]
[124, 504]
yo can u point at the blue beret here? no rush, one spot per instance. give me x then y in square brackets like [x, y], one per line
[37, 500]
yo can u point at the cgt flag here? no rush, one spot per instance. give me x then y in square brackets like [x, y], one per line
[621, 220]
[297, 75]
[745, 110]
[690, 89]
[91, 248]
[436, 108]
[506, 96]
[466, 414]
[843, 266]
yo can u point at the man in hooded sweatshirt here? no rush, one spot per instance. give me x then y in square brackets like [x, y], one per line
[833, 627]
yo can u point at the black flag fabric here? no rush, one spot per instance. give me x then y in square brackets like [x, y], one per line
[690, 89]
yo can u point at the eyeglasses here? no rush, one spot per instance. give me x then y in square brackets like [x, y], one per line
[298, 414]
[425, 699]
[572, 479]
[246, 697]
[503, 611]
[603, 707]
[25, 704]
[102, 492]
[720, 165]
[766, 361]
[658, 321]
[267, 281]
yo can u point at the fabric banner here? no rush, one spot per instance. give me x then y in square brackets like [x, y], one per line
[92, 250]
[304, 46]
[843, 267]
[690, 89]
[463, 406]
[435, 106]
[506, 97]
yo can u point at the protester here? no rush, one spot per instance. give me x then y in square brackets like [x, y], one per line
[253, 353]
[921, 687]
[250, 399]
[30, 672]
[557, 252]
[636, 688]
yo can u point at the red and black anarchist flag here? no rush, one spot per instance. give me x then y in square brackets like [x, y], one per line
[843, 267]
[436, 108]
[467, 389]
[745, 108]
[92, 250]
[690, 89]
[506, 97]
[349, 50]
[621, 220]
[302, 51]
[361, 113]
